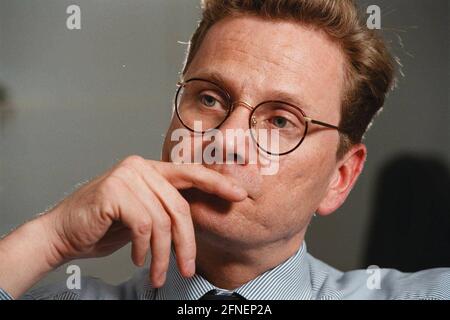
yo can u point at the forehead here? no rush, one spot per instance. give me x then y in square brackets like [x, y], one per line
[258, 55]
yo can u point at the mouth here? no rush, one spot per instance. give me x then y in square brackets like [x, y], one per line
[211, 201]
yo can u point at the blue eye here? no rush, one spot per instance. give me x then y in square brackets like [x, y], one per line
[279, 122]
[208, 101]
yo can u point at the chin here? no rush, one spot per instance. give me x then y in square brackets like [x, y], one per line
[217, 224]
[226, 224]
[218, 221]
[227, 231]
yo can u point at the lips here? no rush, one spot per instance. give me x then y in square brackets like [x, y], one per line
[213, 202]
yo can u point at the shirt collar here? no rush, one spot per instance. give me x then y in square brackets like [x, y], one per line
[288, 281]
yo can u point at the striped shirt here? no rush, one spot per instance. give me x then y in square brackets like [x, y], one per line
[301, 277]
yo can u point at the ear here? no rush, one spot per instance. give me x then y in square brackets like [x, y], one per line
[344, 178]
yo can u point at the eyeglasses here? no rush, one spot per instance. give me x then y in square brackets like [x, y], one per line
[202, 100]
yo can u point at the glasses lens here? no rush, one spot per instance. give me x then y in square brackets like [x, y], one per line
[278, 128]
[201, 105]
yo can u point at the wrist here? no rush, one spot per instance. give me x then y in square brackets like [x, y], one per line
[26, 255]
[51, 245]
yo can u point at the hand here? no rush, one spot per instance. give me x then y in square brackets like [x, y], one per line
[138, 201]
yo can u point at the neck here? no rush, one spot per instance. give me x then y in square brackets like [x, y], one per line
[231, 267]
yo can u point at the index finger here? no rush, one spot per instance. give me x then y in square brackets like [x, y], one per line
[186, 176]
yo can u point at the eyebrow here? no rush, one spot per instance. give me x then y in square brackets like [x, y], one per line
[289, 98]
[277, 95]
[213, 76]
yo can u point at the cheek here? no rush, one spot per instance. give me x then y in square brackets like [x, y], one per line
[301, 183]
[311, 184]
[284, 209]
[168, 143]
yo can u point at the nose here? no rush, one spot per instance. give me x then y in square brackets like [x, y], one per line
[242, 104]
[237, 143]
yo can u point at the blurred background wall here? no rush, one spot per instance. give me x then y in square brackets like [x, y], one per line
[74, 102]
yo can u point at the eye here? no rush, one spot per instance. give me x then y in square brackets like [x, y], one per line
[279, 122]
[208, 100]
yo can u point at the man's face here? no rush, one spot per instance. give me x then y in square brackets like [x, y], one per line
[261, 60]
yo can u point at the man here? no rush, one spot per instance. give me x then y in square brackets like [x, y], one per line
[306, 72]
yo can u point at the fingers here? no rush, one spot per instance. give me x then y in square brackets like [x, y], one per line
[112, 241]
[141, 234]
[163, 179]
[181, 221]
[155, 230]
[171, 219]
[160, 215]
[197, 176]
[134, 216]
[161, 240]
[160, 232]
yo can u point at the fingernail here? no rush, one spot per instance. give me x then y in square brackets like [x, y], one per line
[239, 190]
[162, 278]
[189, 266]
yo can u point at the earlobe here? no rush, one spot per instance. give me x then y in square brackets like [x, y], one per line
[343, 180]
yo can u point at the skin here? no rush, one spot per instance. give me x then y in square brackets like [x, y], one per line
[228, 223]
[268, 227]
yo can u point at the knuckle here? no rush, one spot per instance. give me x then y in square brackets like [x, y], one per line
[124, 172]
[100, 203]
[144, 228]
[165, 225]
[110, 185]
[107, 193]
[133, 160]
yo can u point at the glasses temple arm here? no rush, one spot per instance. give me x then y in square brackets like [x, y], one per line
[323, 124]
